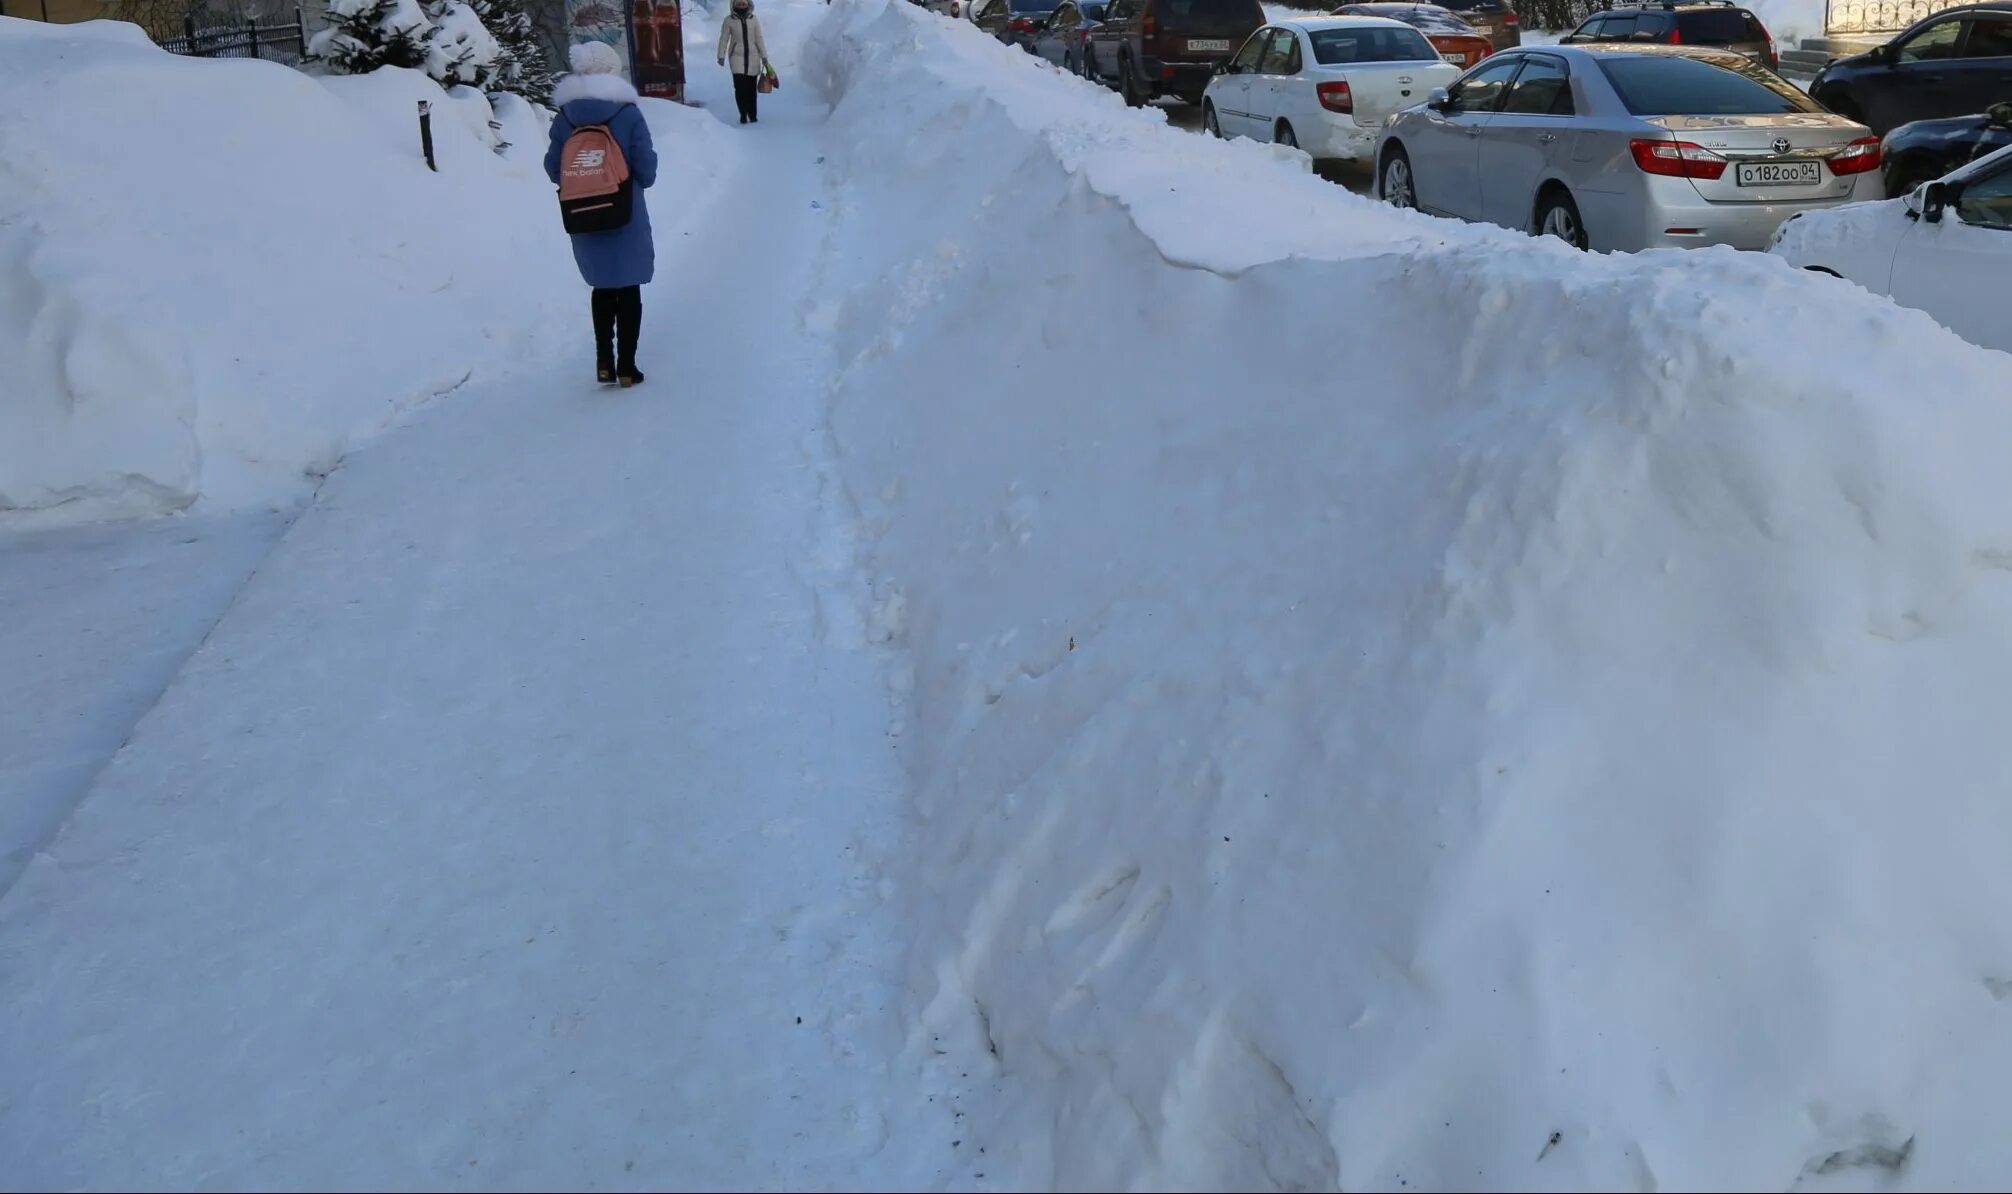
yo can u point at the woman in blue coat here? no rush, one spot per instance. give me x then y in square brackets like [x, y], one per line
[619, 262]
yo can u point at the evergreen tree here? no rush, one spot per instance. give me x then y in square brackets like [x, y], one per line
[521, 67]
[363, 35]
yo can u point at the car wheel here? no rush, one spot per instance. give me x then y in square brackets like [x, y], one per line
[1283, 135]
[1209, 123]
[1128, 83]
[1558, 216]
[1394, 183]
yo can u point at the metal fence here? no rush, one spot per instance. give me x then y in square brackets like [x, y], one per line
[1879, 16]
[281, 43]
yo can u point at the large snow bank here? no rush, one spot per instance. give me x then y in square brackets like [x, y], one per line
[215, 274]
[1397, 703]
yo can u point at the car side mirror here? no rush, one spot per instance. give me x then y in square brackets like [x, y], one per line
[1438, 100]
[1932, 199]
[2000, 113]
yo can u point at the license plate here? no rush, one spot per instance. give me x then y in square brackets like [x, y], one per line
[1456, 59]
[1205, 45]
[1777, 174]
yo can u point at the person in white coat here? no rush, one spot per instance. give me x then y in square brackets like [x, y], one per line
[744, 51]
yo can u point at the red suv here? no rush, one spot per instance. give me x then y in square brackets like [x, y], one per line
[1167, 47]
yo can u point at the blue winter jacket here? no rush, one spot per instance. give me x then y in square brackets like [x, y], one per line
[626, 256]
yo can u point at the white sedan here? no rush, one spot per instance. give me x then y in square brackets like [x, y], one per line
[1945, 249]
[1323, 84]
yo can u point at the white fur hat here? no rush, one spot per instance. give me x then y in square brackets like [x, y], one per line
[595, 58]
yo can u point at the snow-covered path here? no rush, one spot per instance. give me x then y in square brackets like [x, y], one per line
[516, 826]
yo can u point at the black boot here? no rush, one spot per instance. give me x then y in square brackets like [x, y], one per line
[628, 328]
[604, 335]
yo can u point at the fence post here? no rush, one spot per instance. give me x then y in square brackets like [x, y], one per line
[251, 31]
[426, 134]
[300, 30]
[189, 34]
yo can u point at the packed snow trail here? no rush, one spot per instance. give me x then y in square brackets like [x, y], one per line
[516, 825]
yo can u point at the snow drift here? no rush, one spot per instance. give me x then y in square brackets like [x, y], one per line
[1396, 703]
[215, 274]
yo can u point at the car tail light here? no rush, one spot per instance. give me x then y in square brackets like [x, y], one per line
[1509, 16]
[1020, 25]
[1335, 97]
[1676, 159]
[1148, 27]
[1856, 158]
[1676, 36]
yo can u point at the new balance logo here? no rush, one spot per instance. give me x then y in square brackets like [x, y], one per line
[589, 159]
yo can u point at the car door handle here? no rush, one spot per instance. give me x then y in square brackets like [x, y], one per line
[1473, 132]
[1546, 138]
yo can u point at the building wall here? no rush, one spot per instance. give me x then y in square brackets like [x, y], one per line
[62, 12]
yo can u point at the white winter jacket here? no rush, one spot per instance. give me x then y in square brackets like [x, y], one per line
[742, 45]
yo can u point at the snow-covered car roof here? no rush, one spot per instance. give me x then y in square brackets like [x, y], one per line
[1311, 24]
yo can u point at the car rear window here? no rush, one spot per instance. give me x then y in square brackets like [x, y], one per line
[1208, 14]
[1334, 47]
[1672, 86]
[1032, 5]
[1472, 5]
[1092, 12]
[1719, 27]
[1432, 20]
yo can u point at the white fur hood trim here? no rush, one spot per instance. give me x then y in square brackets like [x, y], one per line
[612, 88]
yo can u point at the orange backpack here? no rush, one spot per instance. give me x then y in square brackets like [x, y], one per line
[594, 190]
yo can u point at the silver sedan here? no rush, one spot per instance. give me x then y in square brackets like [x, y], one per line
[1625, 147]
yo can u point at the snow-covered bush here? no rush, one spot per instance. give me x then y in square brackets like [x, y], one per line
[363, 35]
[448, 39]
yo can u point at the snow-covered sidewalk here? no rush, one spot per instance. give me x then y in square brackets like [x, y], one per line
[518, 823]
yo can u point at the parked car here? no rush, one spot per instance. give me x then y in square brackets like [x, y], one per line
[1014, 22]
[1625, 147]
[1717, 23]
[1061, 38]
[1945, 249]
[1323, 84]
[1922, 150]
[1955, 62]
[1150, 48]
[1492, 19]
[1457, 41]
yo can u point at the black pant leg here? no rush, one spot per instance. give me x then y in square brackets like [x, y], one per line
[605, 303]
[628, 326]
[744, 95]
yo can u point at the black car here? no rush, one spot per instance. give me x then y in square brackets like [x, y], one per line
[1015, 22]
[1716, 23]
[1953, 63]
[1925, 150]
[1168, 47]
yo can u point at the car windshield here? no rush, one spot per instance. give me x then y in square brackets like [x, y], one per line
[1092, 12]
[1032, 7]
[1673, 86]
[1333, 47]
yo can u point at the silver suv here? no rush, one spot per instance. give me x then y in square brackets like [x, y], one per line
[1625, 147]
